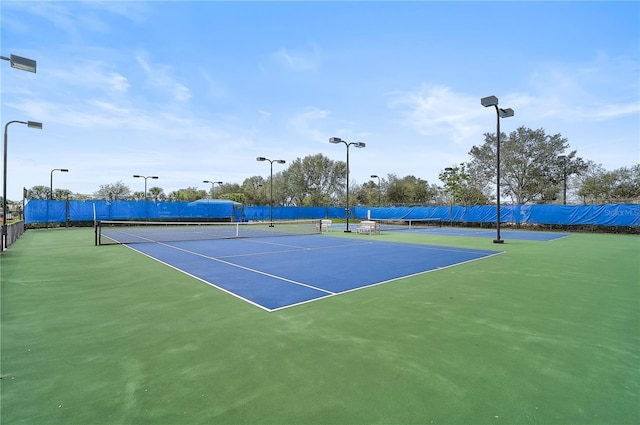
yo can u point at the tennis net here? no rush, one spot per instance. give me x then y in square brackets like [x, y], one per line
[407, 223]
[109, 232]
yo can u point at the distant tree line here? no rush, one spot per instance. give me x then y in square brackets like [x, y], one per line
[535, 168]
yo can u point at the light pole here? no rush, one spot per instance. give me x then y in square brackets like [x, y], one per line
[213, 188]
[271, 161]
[449, 170]
[500, 113]
[29, 65]
[564, 178]
[373, 176]
[30, 124]
[145, 182]
[62, 170]
[356, 145]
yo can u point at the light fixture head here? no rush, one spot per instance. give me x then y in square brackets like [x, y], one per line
[505, 113]
[137, 176]
[489, 101]
[34, 124]
[24, 64]
[154, 177]
[359, 144]
[280, 161]
[218, 182]
[261, 158]
[335, 140]
[64, 170]
[373, 176]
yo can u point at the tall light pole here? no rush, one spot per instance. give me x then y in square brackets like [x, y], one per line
[29, 65]
[500, 113]
[30, 124]
[213, 188]
[373, 176]
[145, 182]
[62, 170]
[449, 170]
[271, 161]
[355, 145]
[564, 178]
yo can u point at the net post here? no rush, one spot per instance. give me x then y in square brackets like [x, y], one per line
[96, 225]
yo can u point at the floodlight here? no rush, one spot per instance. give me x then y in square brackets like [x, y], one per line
[489, 101]
[18, 62]
[506, 113]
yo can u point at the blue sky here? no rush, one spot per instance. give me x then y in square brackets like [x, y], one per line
[193, 91]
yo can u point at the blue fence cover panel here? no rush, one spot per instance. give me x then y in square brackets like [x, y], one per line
[45, 211]
[39, 211]
[480, 214]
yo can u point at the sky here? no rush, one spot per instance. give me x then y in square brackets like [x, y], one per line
[193, 91]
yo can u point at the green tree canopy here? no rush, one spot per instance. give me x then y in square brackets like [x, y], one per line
[460, 186]
[530, 168]
[617, 186]
[314, 180]
[410, 190]
[38, 192]
[189, 194]
[114, 191]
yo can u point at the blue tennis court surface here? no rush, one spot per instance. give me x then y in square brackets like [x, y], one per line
[278, 272]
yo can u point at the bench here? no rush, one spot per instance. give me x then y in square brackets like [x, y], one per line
[369, 227]
[325, 225]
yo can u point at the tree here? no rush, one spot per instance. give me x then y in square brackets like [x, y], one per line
[38, 192]
[61, 194]
[156, 194]
[232, 192]
[189, 194]
[410, 190]
[529, 164]
[369, 193]
[253, 189]
[115, 191]
[314, 180]
[459, 186]
[618, 186]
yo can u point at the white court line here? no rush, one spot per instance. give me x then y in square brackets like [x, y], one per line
[248, 268]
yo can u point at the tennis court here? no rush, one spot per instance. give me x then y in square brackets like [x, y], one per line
[278, 272]
[544, 333]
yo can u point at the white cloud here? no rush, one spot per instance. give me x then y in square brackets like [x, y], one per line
[305, 124]
[437, 110]
[298, 60]
[160, 76]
